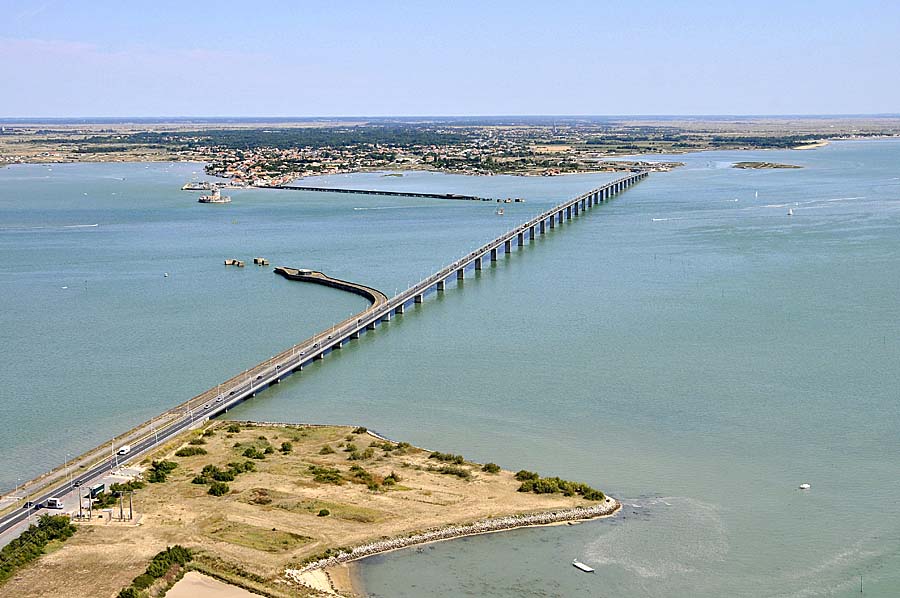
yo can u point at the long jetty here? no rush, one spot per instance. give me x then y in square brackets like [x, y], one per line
[376, 192]
[219, 399]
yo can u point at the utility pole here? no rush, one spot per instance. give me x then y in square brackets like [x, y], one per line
[131, 505]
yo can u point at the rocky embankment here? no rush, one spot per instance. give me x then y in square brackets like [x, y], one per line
[496, 524]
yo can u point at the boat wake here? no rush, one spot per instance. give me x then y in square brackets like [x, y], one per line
[384, 208]
[51, 227]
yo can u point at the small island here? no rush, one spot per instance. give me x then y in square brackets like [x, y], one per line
[281, 510]
[763, 165]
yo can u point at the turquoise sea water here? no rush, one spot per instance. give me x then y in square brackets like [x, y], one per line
[688, 347]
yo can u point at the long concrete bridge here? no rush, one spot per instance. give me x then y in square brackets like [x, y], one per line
[215, 401]
[374, 192]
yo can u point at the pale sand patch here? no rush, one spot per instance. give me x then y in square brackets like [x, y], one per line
[197, 585]
[810, 146]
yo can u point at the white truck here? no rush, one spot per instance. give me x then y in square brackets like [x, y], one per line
[124, 449]
[54, 503]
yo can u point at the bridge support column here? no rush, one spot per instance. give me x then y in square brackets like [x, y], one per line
[569, 213]
[318, 357]
[531, 233]
[559, 216]
[440, 285]
[399, 309]
[494, 254]
[575, 208]
[387, 317]
[370, 326]
[460, 274]
[354, 335]
[583, 205]
[552, 221]
[507, 246]
[337, 347]
[478, 263]
[521, 239]
[418, 298]
[543, 227]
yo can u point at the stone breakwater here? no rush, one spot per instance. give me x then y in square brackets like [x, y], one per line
[496, 524]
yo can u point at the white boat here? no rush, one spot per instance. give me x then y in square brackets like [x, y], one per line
[499, 211]
[790, 211]
[805, 486]
[214, 197]
[579, 565]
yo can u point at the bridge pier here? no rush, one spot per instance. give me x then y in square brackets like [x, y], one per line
[337, 347]
[521, 239]
[543, 228]
[494, 254]
[399, 309]
[552, 221]
[507, 246]
[531, 233]
[387, 317]
[478, 263]
[569, 213]
[318, 356]
[575, 208]
[583, 206]
[559, 216]
[418, 298]
[370, 326]
[460, 274]
[354, 335]
[440, 285]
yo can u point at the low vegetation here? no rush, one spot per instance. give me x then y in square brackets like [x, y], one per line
[532, 482]
[32, 543]
[169, 563]
[159, 471]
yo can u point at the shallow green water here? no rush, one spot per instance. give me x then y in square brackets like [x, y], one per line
[696, 356]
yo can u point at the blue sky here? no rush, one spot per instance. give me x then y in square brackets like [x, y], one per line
[300, 58]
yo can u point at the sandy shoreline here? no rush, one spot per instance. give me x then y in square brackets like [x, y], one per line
[335, 576]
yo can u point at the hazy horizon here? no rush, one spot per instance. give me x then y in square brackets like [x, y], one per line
[281, 59]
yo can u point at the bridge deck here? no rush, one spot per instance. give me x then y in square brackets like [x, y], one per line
[224, 396]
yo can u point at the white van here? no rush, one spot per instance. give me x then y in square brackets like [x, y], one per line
[124, 449]
[54, 503]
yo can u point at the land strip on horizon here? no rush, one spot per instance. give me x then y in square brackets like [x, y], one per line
[268, 152]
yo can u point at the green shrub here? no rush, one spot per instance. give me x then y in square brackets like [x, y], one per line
[269, 450]
[286, 447]
[190, 451]
[491, 468]
[459, 472]
[447, 458]
[129, 592]
[233, 429]
[196, 441]
[350, 448]
[326, 450]
[159, 470]
[143, 581]
[254, 453]
[218, 489]
[324, 513]
[31, 543]
[524, 474]
[360, 430]
[326, 475]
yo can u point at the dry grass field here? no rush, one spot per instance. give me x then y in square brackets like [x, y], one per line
[275, 516]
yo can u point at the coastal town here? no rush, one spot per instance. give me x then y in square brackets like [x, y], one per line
[257, 155]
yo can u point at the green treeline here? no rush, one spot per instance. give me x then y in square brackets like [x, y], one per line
[162, 563]
[533, 482]
[30, 545]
